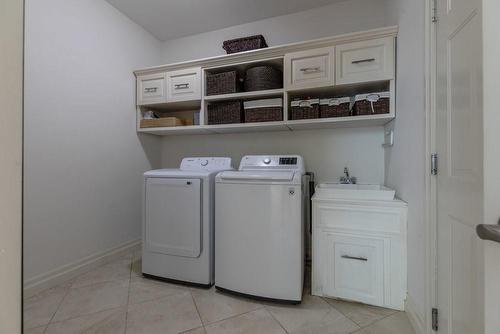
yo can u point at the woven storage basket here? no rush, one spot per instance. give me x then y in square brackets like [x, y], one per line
[335, 107]
[244, 44]
[267, 110]
[304, 109]
[226, 112]
[371, 104]
[262, 78]
[223, 83]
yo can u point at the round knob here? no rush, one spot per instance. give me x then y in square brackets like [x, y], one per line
[204, 163]
[267, 161]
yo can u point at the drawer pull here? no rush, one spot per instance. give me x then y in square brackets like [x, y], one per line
[354, 258]
[368, 60]
[181, 86]
[307, 70]
[150, 90]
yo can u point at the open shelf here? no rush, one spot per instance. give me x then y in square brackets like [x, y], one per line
[245, 95]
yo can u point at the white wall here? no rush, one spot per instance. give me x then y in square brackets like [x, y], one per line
[326, 152]
[11, 90]
[83, 158]
[335, 19]
[405, 161]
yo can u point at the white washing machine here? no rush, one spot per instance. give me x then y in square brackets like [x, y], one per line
[178, 220]
[259, 228]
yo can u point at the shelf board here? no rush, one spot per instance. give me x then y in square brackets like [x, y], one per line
[245, 95]
[305, 124]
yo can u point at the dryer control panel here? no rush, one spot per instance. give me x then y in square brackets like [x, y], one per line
[205, 163]
[272, 162]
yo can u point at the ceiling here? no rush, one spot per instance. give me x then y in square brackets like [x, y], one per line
[170, 19]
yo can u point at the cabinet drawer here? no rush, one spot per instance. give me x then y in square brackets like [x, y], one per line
[151, 89]
[365, 61]
[355, 268]
[309, 69]
[184, 85]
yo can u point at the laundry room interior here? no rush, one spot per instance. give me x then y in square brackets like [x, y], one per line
[164, 194]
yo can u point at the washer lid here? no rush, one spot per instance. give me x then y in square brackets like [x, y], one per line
[257, 176]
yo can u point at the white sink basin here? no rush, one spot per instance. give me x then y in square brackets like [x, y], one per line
[375, 192]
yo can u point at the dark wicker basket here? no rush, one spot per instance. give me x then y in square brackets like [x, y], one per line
[223, 83]
[335, 108]
[226, 112]
[244, 44]
[262, 78]
[363, 106]
[304, 109]
[265, 114]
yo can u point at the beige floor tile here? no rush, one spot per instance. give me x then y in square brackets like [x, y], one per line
[40, 308]
[144, 289]
[105, 322]
[254, 322]
[200, 330]
[395, 324]
[136, 267]
[91, 299]
[37, 330]
[214, 306]
[362, 315]
[172, 314]
[118, 270]
[313, 315]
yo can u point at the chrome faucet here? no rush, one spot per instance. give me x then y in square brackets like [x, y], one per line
[347, 179]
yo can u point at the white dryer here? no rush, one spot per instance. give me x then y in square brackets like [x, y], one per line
[178, 220]
[259, 228]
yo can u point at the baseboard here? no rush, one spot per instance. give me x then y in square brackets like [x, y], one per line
[66, 272]
[416, 318]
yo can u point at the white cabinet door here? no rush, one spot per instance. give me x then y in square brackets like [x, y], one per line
[365, 61]
[309, 69]
[173, 216]
[184, 85]
[151, 89]
[355, 268]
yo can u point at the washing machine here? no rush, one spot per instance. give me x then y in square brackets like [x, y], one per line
[178, 221]
[259, 228]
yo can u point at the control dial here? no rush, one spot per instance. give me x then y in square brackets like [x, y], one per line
[267, 161]
[204, 163]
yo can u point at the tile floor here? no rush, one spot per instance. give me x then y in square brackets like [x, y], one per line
[114, 298]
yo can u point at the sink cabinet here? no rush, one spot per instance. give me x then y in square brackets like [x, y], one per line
[359, 250]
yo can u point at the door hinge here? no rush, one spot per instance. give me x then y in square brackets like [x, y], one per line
[435, 319]
[434, 164]
[434, 11]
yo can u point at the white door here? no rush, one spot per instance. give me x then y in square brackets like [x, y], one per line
[459, 141]
[173, 216]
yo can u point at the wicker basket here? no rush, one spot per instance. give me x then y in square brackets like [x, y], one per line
[226, 112]
[223, 83]
[262, 78]
[267, 110]
[244, 44]
[304, 109]
[336, 107]
[371, 104]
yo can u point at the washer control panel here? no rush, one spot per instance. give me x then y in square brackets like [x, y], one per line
[205, 163]
[272, 162]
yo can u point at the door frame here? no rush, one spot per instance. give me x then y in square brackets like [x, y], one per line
[430, 180]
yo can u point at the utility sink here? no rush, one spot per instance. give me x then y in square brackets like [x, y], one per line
[374, 192]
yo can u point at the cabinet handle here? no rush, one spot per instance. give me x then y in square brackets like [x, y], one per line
[368, 60]
[181, 86]
[311, 69]
[150, 90]
[354, 258]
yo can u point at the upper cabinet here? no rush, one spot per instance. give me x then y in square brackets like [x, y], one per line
[151, 89]
[184, 85]
[371, 60]
[309, 69]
